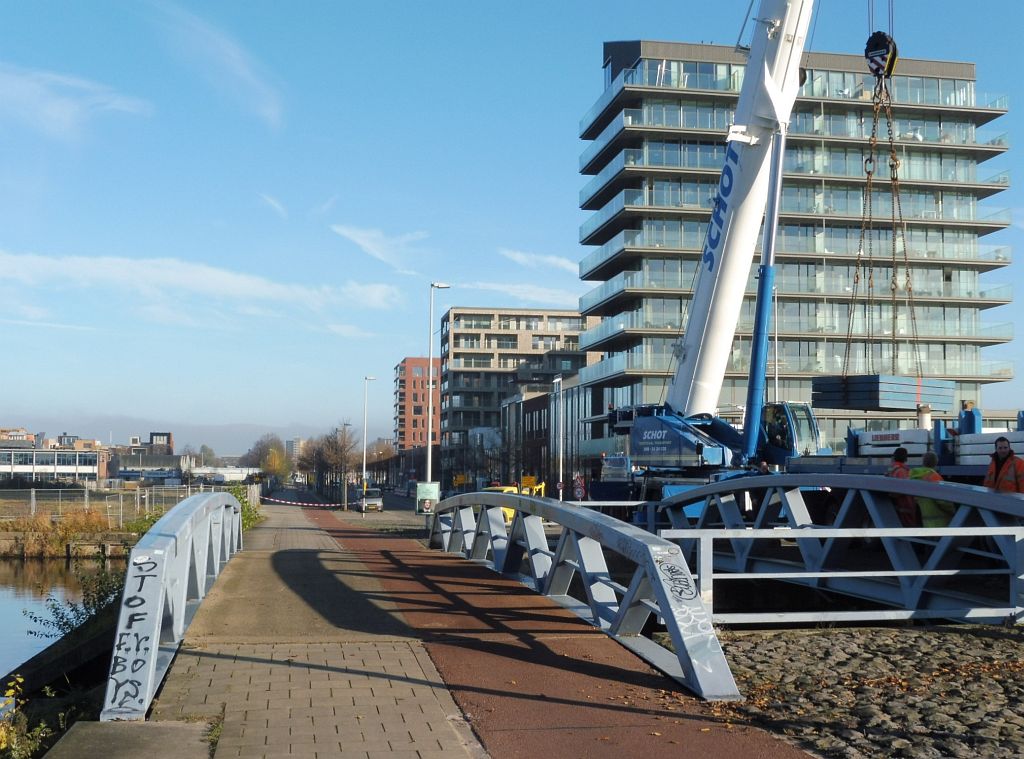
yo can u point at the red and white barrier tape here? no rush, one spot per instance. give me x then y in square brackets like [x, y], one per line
[299, 503]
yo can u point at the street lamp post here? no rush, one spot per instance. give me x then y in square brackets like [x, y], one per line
[561, 436]
[430, 377]
[366, 383]
[344, 470]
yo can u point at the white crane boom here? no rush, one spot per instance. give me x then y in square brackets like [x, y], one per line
[766, 100]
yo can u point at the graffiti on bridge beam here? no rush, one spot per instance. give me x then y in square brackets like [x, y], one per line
[133, 650]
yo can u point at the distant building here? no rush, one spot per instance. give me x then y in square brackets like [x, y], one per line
[8, 434]
[53, 465]
[410, 394]
[293, 448]
[66, 458]
[161, 443]
[488, 354]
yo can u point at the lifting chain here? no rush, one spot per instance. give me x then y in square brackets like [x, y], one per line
[881, 55]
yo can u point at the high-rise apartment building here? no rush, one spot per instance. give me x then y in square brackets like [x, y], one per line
[293, 448]
[410, 392]
[656, 148]
[486, 354]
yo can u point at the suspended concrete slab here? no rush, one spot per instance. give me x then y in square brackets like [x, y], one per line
[881, 392]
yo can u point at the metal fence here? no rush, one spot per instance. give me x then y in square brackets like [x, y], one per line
[118, 506]
[841, 533]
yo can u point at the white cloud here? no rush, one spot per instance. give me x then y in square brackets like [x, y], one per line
[394, 251]
[157, 279]
[274, 203]
[538, 261]
[223, 62]
[59, 105]
[528, 293]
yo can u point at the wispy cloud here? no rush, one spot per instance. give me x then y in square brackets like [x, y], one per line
[223, 62]
[537, 261]
[528, 293]
[158, 279]
[47, 325]
[274, 203]
[324, 207]
[394, 251]
[349, 330]
[59, 105]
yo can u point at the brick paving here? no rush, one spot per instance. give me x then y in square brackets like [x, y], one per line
[264, 654]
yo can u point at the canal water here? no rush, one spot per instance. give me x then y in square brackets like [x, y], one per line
[25, 585]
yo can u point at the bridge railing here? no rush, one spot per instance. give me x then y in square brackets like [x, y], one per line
[611, 573]
[170, 570]
[842, 533]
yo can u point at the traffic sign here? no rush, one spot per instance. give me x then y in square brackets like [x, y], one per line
[561, 485]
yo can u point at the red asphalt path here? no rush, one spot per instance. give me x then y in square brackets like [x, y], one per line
[533, 679]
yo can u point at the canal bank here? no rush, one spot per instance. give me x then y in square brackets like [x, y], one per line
[39, 544]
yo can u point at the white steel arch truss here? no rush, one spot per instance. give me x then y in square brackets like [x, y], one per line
[623, 574]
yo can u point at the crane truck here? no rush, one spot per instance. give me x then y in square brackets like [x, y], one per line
[684, 435]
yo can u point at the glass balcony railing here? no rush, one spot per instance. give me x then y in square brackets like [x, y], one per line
[691, 199]
[651, 74]
[624, 362]
[470, 363]
[906, 364]
[909, 91]
[608, 134]
[613, 167]
[786, 284]
[613, 325]
[812, 326]
[739, 363]
[911, 210]
[705, 157]
[1001, 179]
[636, 238]
[599, 218]
[640, 199]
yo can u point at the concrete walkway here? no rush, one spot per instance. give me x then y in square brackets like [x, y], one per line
[337, 634]
[302, 665]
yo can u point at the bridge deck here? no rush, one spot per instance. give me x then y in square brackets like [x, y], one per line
[333, 634]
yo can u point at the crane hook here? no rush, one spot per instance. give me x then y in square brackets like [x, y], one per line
[881, 54]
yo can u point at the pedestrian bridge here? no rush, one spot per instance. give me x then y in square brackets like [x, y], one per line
[789, 548]
[780, 549]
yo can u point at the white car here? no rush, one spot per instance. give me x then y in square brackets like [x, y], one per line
[371, 499]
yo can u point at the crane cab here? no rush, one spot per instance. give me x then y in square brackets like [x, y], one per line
[788, 430]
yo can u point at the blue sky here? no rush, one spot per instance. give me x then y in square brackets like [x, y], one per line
[230, 212]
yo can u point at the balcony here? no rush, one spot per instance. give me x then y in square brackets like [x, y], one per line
[625, 365]
[709, 161]
[840, 288]
[615, 331]
[638, 202]
[648, 75]
[625, 368]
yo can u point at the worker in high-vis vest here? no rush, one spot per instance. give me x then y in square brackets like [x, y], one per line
[906, 506]
[934, 513]
[1006, 472]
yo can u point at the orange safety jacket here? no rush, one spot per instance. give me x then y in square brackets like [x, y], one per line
[906, 505]
[1009, 478]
